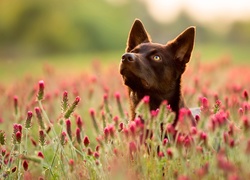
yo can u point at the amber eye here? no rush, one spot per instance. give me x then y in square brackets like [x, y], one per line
[157, 58]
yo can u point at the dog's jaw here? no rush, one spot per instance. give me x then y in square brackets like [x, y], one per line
[132, 81]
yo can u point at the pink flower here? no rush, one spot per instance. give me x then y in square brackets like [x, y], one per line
[146, 99]
[197, 118]
[2, 137]
[92, 114]
[72, 107]
[89, 152]
[79, 123]
[33, 141]
[160, 154]
[3, 152]
[165, 142]
[121, 126]
[39, 117]
[78, 136]
[240, 111]
[132, 148]
[126, 132]
[25, 165]
[106, 133]
[105, 97]
[170, 153]
[204, 104]
[17, 133]
[28, 119]
[116, 152]
[71, 162]
[170, 129]
[42, 137]
[40, 93]
[18, 137]
[132, 127]
[116, 120]
[65, 100]
[111, 130]
[16, 104]
[224, 164]
[40, 154]
[199, 149]
[63, 138]
[68, 128]
[86, 141]
[117, 96]
[13, 169]
[245, 95]
[246, 123]
[203, 137]
[96, 155]
[193, 130]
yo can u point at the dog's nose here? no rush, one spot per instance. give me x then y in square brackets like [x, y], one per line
[128, 57]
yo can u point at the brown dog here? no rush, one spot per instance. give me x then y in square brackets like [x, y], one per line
[154, 69]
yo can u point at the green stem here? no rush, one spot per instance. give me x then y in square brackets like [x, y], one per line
[47, 118]
[53, 160]
[26, 141]
[19, 164]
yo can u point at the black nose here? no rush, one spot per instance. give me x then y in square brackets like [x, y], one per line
[128, 57]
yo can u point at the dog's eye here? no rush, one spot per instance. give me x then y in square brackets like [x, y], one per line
[157, 58]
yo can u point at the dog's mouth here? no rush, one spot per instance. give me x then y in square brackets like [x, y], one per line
[132, 80]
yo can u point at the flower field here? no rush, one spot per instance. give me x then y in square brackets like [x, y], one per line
[61, 126]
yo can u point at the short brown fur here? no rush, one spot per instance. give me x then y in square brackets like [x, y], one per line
[154, 69]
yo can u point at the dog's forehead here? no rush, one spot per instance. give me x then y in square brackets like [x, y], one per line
[150, 46]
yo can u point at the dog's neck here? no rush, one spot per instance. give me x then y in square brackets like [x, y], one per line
[174, 99]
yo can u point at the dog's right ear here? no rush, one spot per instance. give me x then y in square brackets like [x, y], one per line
[137, 35]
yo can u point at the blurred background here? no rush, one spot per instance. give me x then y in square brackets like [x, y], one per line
[74, 32]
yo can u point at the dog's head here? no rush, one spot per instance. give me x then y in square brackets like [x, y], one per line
[153, 66]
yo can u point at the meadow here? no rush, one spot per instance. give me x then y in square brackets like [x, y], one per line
[69, 119]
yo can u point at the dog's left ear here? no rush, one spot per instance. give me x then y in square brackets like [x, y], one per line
[183, 44]
[137, 35]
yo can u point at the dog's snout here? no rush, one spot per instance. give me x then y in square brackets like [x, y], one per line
[128, 57]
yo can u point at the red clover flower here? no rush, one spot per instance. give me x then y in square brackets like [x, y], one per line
[92, 114]
[17, 128]
[18, 137]
[40, 94]
[78, 136]
[65, 103]
[86, 141]
[28, 120]
[71, 164]
[40, 154]
[14, 169]
[245, 95]
[39, 118]
[16, 104]
[68, 128]
[118, 100]
[2, 137]
[42, 138]
[71, 109]
[79, 123]
[25, 165]
[63, 138]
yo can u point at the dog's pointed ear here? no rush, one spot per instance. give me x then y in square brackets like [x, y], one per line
[137, 35]
[183, 44]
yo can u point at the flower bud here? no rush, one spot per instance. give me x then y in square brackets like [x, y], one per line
[40, 93]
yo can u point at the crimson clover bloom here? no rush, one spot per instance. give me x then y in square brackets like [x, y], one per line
[40, 94]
